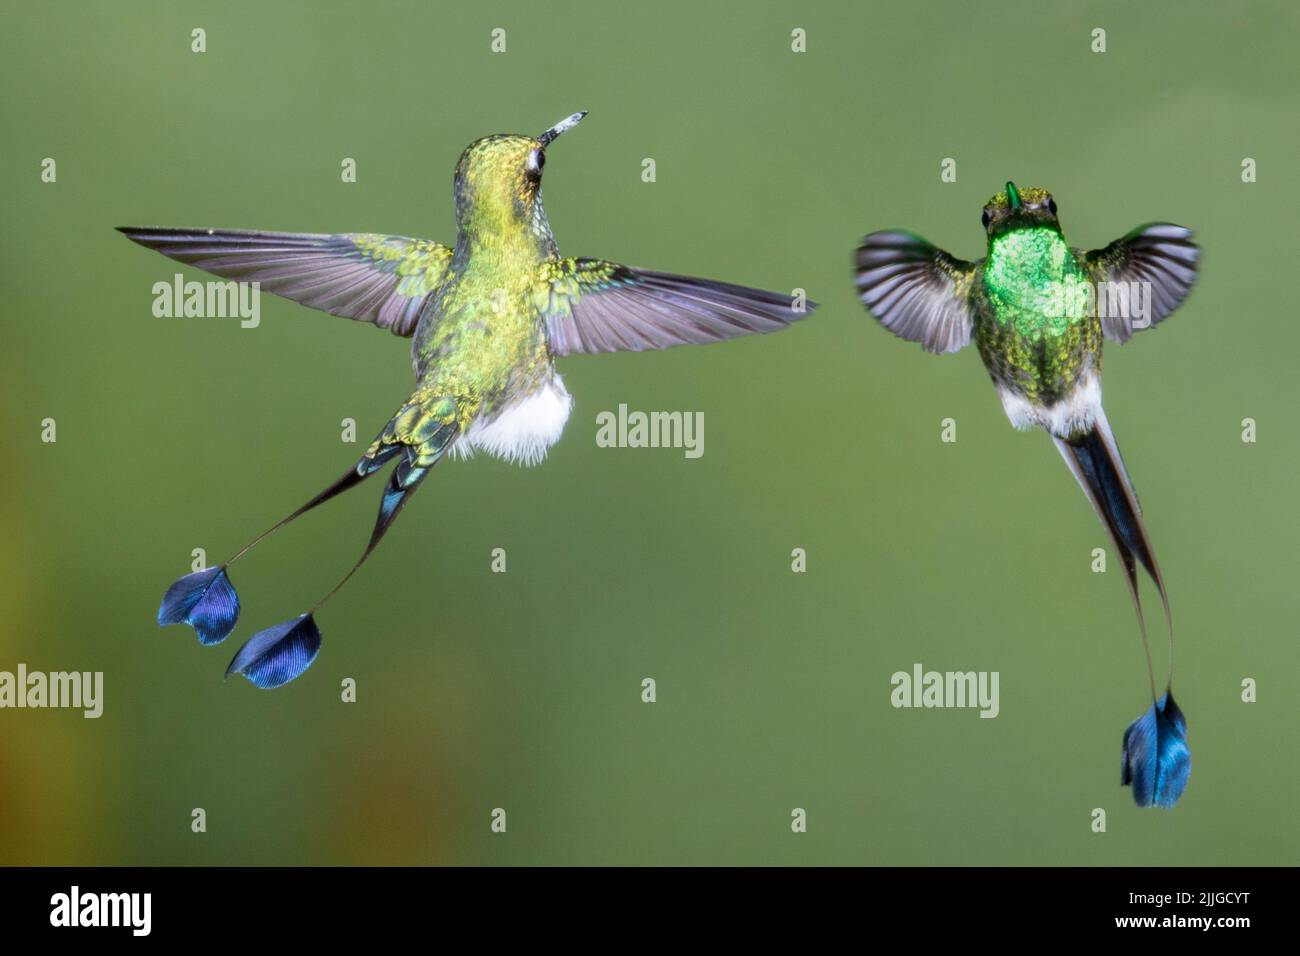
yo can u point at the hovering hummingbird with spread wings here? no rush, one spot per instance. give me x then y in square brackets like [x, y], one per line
[1038, 311]
[487, 318]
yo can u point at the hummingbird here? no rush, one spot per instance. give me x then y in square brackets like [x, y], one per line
[487, 318]
[1038, 312]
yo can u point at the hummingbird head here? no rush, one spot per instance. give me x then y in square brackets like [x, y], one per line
[1019, 209]
[499, 178]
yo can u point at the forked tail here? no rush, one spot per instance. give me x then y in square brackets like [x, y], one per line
[416, 437]
[1157, 762]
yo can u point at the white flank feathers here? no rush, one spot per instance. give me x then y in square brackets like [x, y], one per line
[524, 430]
[1075, 413]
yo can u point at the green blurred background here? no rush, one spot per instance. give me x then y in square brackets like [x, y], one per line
[522, 691]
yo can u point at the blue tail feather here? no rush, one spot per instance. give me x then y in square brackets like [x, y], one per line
[404, 481]
[274, 656]
[278, 654]
[205, 600]
[1157, 761]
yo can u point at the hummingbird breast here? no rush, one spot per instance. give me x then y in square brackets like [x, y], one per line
[482, 342]
[1035, 332]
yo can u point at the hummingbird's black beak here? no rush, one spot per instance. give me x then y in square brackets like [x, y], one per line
[562, 126]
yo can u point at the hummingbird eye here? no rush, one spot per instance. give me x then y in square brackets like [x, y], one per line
[985, 218]
[1051, 204]
[536, 160]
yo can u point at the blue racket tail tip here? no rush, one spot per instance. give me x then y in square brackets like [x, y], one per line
[206, 601]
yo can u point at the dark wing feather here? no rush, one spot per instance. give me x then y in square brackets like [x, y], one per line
[592, 305]
[916, 290]
[1159, 253]
[368, 277]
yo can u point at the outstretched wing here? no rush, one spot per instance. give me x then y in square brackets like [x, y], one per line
[916, 290]
[592, 305]
[1159, 254]
[365, 276]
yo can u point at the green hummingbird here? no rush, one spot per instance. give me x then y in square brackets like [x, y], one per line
[487, 317]
[1038, 311]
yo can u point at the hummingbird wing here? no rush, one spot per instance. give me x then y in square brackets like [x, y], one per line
[592, 305]
[916, 290]
[384, 280]
[1159, 254]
